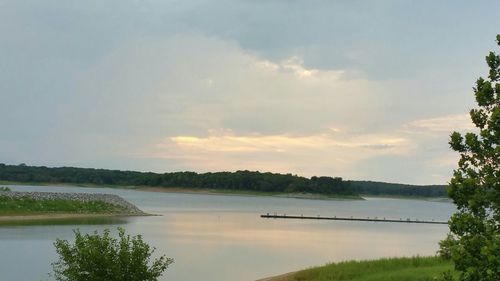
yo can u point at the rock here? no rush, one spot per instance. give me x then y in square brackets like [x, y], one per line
[82, 197]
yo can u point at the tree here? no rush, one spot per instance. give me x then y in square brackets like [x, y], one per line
[475, 186]
[103, 258]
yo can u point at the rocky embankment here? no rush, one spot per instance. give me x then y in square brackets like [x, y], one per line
[82, 197]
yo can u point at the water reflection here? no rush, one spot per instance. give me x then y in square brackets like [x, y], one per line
[214, 241]
[223, 238]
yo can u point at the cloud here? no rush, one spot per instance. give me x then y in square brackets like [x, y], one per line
[187, 90]
[197, 102]
[222, 108]
[227, 141]
[326, 153]
[442, 124]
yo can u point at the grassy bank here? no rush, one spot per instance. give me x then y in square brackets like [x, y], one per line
[28, 206]
[407, 269]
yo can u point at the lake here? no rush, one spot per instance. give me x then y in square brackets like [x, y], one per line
[223, 238]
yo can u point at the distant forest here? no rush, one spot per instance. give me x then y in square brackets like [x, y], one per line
[239, 180]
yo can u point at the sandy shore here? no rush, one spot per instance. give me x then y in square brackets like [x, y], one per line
[179, 190]
[243, 193]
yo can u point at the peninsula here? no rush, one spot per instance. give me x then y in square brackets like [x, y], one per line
[16, 206]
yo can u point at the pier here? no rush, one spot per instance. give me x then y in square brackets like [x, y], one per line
[375, 219]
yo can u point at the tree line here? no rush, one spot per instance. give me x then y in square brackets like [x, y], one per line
[238, 181]
[398, 189]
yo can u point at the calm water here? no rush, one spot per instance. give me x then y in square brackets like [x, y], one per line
[222, 238]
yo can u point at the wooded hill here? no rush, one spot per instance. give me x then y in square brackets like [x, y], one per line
[239, 180]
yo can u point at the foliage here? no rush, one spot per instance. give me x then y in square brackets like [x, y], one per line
[445, 247]
[475, 186]
[103, 258]
[27, 205]
[447, 276]
[227, 181]
[410, 269]
[396, 189]
[4, 188]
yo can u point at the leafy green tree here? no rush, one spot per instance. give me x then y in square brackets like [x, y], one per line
[475, 186]
[103, 258]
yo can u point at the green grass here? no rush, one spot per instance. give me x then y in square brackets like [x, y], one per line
[393, 269]
[28, 206]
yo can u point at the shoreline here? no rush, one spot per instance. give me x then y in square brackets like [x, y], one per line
[202, 191]
[47, 206]
[422, 198]
[223, 192]
[58, 216]
[395, 268]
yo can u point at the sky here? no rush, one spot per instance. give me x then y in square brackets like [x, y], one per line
[356, 89]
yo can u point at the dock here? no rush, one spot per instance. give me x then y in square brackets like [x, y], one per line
[368, 219]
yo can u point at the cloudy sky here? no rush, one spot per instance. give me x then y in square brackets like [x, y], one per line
[357, 89]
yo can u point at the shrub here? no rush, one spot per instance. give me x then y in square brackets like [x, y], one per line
[445, 247]
[103, 258]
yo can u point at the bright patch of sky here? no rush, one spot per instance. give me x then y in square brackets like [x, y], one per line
[356, 89]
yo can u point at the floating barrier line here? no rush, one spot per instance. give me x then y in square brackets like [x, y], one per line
[284, 216]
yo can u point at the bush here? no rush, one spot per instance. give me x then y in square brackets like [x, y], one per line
[103, 258]
[445, 247]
